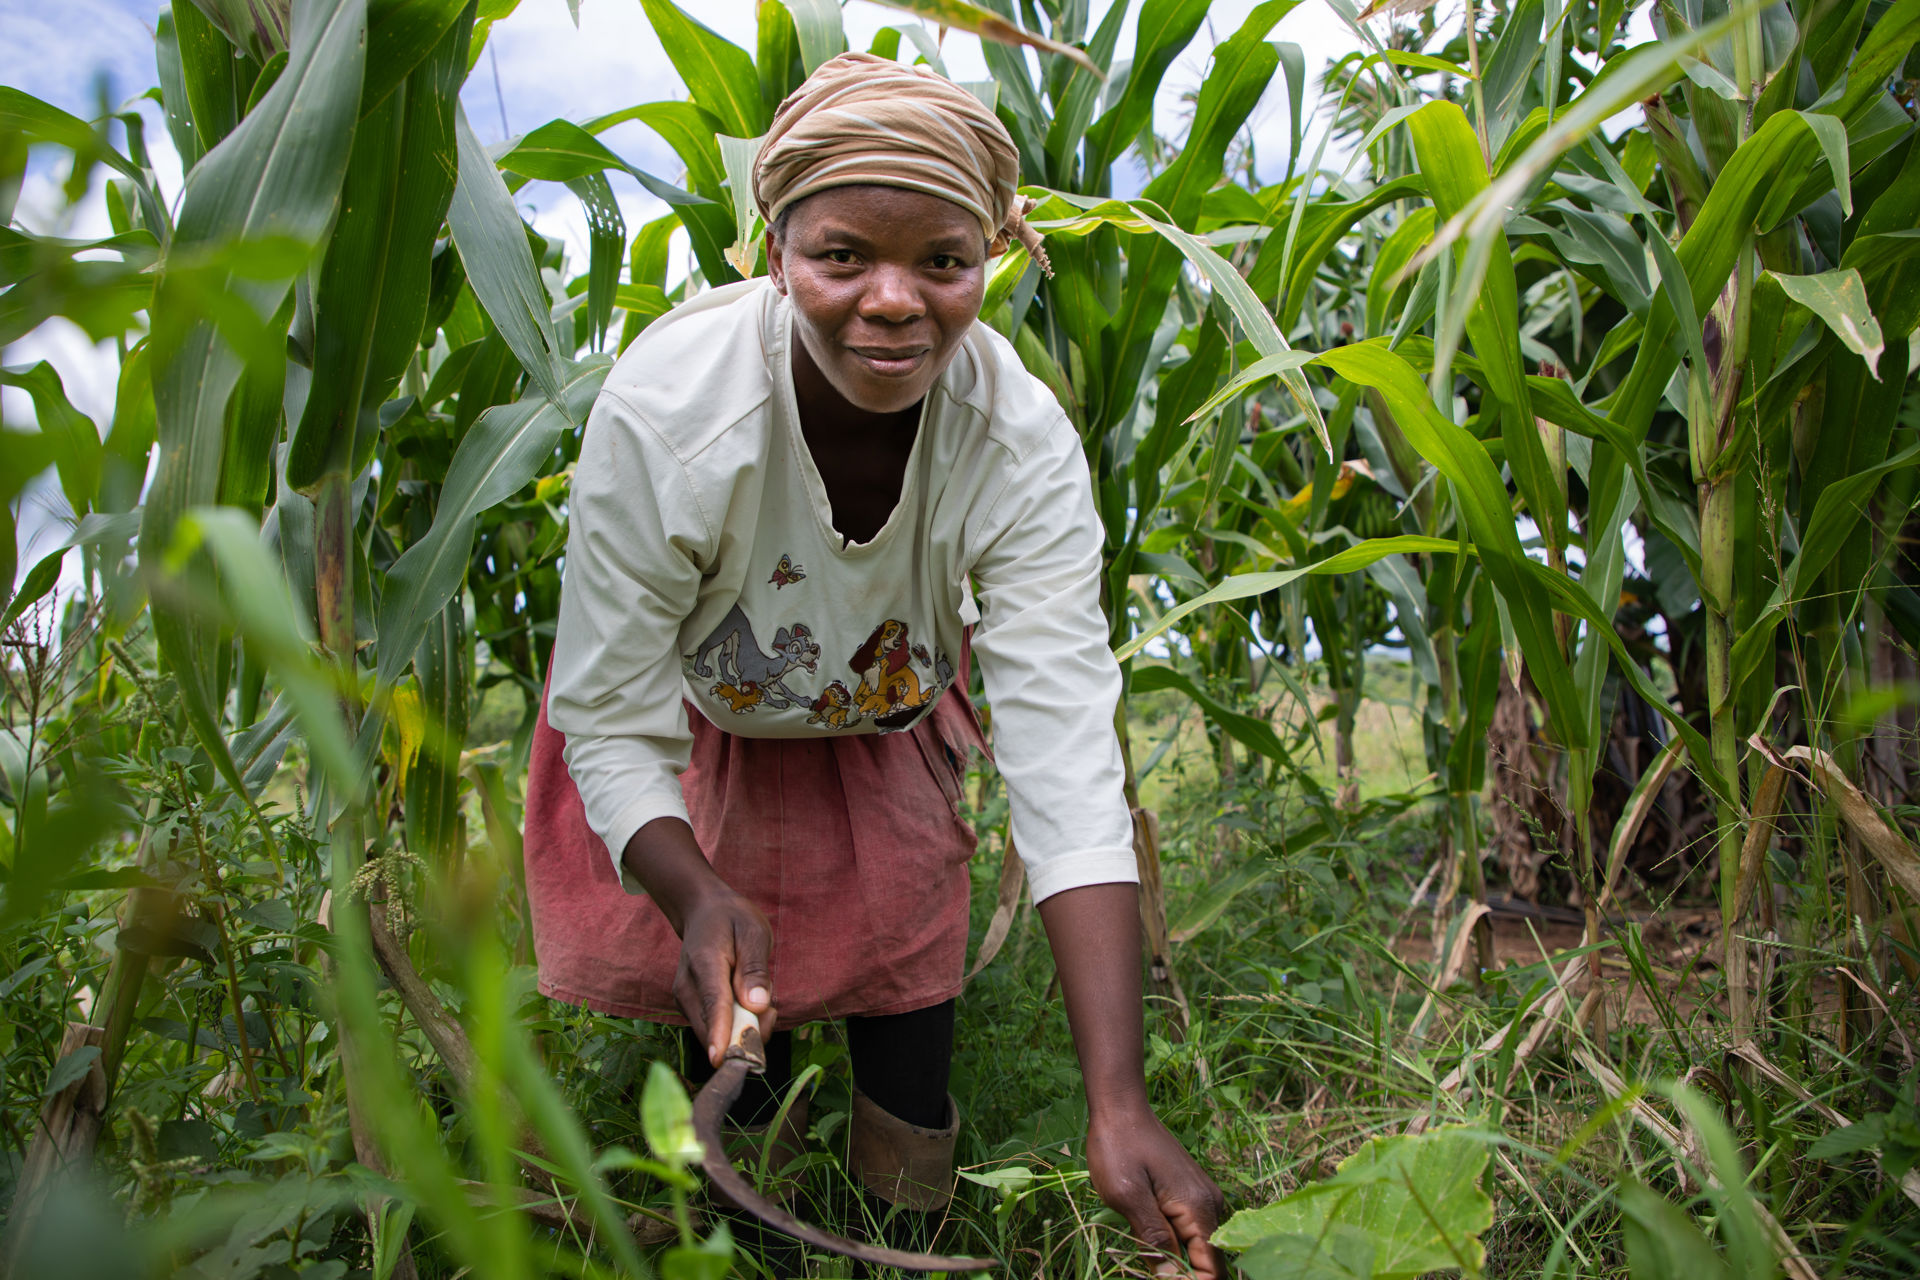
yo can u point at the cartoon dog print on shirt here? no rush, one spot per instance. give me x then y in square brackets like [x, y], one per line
[833, 707]
[890, 690]
[746, 676]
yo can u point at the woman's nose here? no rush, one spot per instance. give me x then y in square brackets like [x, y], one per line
[891, 296]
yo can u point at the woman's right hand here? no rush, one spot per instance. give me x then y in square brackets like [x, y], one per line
[724, 940]
[723, 959]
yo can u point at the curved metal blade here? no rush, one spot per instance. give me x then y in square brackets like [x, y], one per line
[710, 1108]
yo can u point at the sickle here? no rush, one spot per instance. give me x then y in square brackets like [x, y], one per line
[710, 1105]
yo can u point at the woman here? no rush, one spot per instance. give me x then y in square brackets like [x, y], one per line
[846, 424]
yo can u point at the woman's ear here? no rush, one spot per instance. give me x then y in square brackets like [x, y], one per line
[776, 262]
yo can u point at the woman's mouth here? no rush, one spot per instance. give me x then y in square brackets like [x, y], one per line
[890, 362]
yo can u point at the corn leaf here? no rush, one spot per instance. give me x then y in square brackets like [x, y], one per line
[487, 230]
[720, 75]
[371, 297]
[1241, 586]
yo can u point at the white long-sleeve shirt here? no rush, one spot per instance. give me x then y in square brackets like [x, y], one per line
[702, 564]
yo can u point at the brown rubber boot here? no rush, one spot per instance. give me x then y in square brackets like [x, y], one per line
[905, 1171]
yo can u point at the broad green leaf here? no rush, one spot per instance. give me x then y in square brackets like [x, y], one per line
[70, 1069]
[215, 95]
[1840, 299]
[1417, 1197]
[1255, 322]
[1837, 1144]
[666, 1118]
[738, 156]
[1456, 173]
[559, 150]
[25, 116]
[1243, 66]
[487, 229]
[606, 245]
[720, 75]
[1339, 1253]
[503, 450]
[33, 588]
[400, 35]
[1081, 92]
[432, 791]
[1254, 374]
[1622, 82]
[1241, 586]
[1747, 194]
[1288, 263]
[1886, 46]
[817, 28]
[1841, 506]
[257, 28]
[371, 297]
[173, 92]
[75, 440]
[1663, 1242]
[253, 594]
[692, 133]
[777, 54]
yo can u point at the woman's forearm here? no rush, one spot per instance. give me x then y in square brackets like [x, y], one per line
[666, 860]
[724, 941]
[1095, 934]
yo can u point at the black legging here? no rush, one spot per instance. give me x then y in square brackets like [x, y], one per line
[900, 1060]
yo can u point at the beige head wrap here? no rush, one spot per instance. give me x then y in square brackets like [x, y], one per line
[860, 119]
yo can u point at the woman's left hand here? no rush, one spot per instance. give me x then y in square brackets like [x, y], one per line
[1143, 1172]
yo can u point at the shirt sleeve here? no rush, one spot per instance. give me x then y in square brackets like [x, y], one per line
[636, 540]
[1051, 681]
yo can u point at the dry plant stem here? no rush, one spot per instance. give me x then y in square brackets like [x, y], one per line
[63, 1141]
[1753, 852]
[1013, 877]
[1468, 843]
[447, 1036]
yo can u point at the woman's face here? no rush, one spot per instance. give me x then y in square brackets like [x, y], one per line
[884, 284]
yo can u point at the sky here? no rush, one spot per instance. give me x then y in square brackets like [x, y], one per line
[538, 66]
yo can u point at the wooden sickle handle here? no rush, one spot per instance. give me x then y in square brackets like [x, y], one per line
[744, 1041]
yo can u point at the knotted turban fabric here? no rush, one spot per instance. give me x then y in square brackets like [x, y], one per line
[861, 119]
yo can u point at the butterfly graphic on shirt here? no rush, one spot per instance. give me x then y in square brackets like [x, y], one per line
[786, 573]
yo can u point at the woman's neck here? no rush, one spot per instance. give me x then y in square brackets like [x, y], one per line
[861, 456]
[823, 407]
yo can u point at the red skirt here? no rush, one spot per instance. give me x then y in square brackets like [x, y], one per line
[852, 844]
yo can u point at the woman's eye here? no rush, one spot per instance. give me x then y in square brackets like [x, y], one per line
[946, 262]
